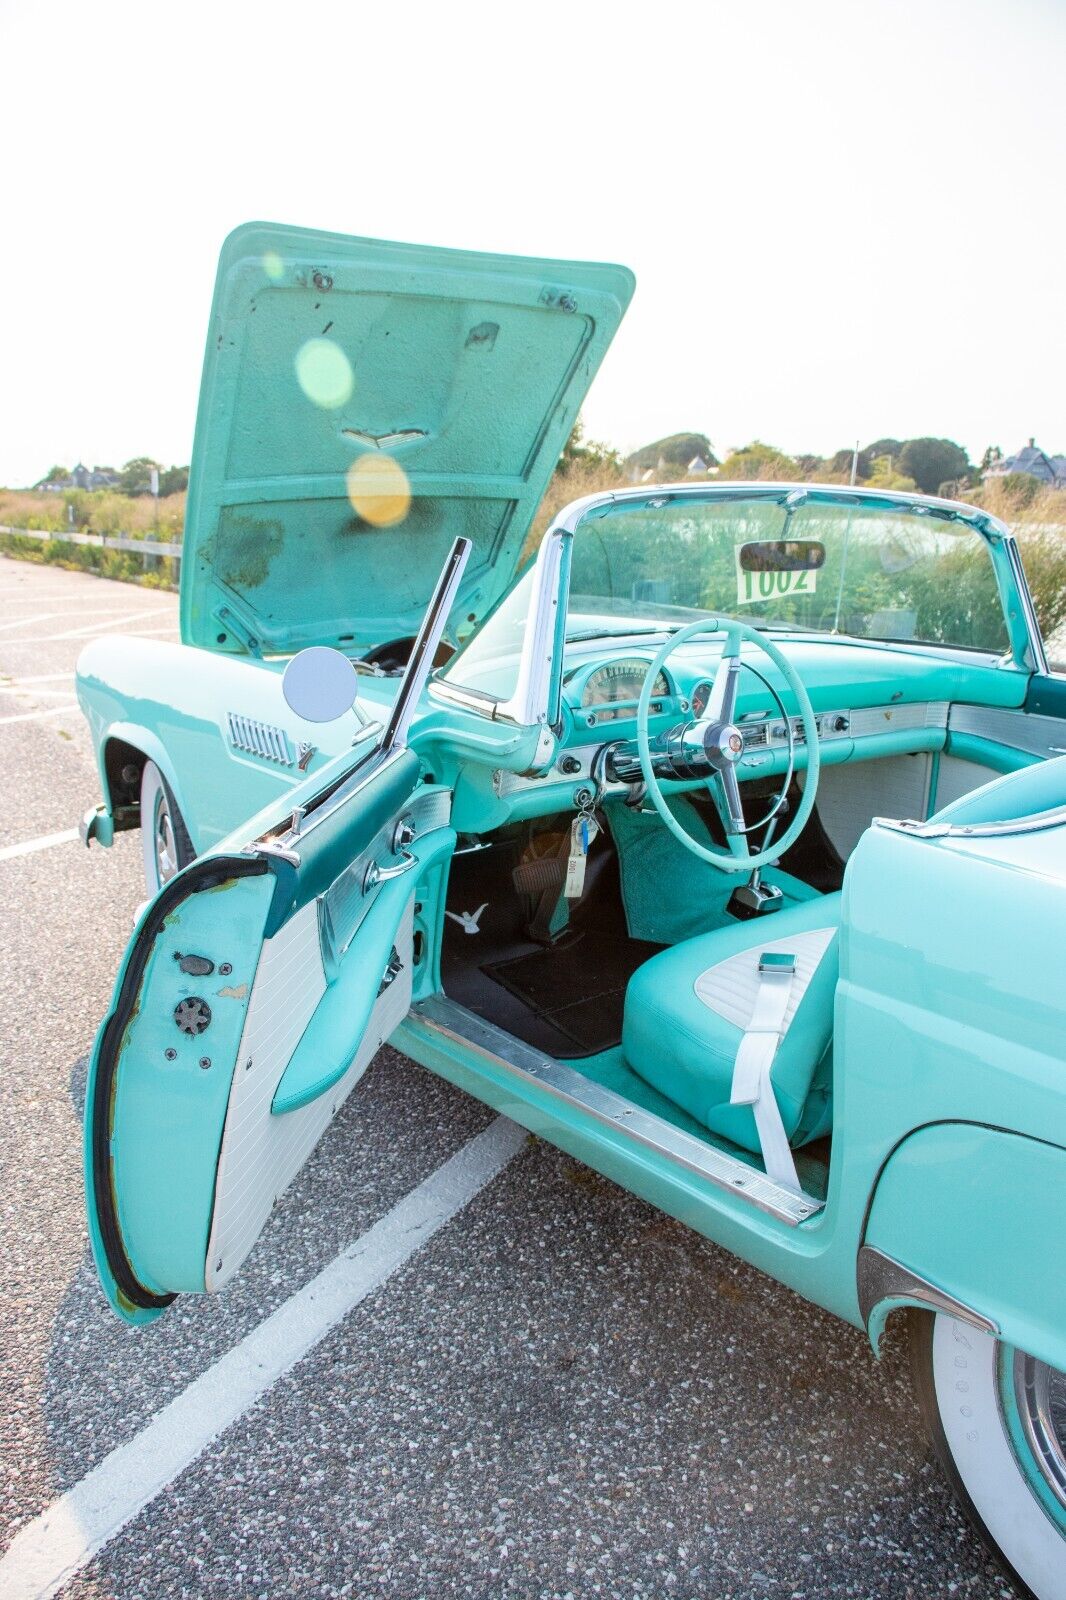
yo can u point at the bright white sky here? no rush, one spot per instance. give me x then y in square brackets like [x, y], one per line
[847, 217]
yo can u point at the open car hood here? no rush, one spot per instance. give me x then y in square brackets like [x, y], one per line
[343, 376]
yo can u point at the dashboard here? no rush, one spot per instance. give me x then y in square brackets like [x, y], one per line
[867, 701]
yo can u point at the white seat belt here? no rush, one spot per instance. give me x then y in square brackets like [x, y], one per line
[751, 1070]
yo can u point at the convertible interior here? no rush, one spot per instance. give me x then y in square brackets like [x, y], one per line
[691, 965]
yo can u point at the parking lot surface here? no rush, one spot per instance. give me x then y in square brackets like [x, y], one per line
[546, 1389]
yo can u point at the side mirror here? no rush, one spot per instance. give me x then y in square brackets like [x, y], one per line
[320, 684]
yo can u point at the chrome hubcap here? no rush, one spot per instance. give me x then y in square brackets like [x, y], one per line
[1040, 1392]
[166, 853]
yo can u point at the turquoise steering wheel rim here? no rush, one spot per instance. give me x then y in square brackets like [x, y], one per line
[722, 858]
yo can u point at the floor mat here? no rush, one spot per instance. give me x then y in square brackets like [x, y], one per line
[577, 986]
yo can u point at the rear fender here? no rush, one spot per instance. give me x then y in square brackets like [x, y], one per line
[968, 1219]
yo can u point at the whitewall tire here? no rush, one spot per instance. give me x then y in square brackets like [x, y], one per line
[165, 841]
[997, 1420]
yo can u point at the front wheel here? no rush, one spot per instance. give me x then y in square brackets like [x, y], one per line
[997, 1420]
[165, 841]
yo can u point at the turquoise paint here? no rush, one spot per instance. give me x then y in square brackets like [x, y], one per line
[166, 1116]
[971, 1209]
[462, 371]
[324, 1053]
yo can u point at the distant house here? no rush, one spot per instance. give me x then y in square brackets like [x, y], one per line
[1035, 462]
[82, 477]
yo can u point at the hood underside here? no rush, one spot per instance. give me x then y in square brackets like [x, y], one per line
[362, 404]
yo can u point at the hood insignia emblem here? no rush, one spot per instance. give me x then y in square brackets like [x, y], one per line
[304, 752]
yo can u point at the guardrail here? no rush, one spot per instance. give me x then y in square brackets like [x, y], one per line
[101, 541]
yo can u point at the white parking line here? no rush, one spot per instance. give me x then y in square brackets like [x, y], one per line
[47, 1552]
[44, 694]
[35, 716]
[45, 842]
[24, 622]
[81, 633]
[39, 677]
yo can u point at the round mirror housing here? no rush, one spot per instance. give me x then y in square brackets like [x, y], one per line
[320, 684]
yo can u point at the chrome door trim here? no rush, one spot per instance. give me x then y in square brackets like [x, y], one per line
[440, 1017]
[1032, 626]
[1055, 818]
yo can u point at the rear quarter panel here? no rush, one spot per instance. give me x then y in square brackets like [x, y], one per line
[951, 1046]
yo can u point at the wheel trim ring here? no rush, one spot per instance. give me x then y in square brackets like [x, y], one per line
[1031, 1381]
[166, 853]
[972, 1401]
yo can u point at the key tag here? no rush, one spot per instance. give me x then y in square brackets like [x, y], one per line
[583, 831]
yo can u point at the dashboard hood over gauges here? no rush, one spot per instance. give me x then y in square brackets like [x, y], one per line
[362, 404]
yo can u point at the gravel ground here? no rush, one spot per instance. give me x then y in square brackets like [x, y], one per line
[563, 1394]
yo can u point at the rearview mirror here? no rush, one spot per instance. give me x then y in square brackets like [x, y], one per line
[320, 684]
[782, 555]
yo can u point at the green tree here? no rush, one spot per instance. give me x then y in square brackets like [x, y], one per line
[136, 476]
[175, 480]
[884, 447]
[579, 451]
[55, 473]
[932, 462]
[760, 461]
[992, 454]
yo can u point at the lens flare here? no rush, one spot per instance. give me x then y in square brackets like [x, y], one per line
[379, 490]
[273, 266]
[324, 373]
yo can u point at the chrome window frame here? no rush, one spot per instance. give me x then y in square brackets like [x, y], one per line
[538, 692]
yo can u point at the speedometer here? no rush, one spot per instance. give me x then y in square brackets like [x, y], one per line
[620, 680]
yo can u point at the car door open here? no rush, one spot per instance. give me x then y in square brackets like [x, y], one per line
[255, 990]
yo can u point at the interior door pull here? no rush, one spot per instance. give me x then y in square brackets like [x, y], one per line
[376, 874]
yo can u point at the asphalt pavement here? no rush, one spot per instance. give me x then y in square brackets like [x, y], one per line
[551, 1391]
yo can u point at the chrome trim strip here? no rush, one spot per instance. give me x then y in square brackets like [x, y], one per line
[420, 663]
[878, 1278]
[1032, 627]
[1037, 735]
[485, 705]
[528, 706]
[440, 1016]
[256, 738]
[1041, 820]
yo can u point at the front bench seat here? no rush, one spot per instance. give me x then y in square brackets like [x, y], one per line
[688, 1008]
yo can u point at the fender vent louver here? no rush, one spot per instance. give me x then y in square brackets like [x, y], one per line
[259, 739]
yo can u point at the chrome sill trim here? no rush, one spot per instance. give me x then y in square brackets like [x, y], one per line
[880, 1278]
[441, 1016]
[1055, 818]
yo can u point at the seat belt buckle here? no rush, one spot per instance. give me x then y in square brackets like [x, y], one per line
[777, 961]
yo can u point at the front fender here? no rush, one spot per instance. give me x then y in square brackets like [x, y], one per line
[972, 1217]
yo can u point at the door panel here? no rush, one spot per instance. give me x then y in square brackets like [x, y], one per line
[242, 1022]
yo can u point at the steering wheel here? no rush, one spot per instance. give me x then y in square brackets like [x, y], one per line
[716, 740]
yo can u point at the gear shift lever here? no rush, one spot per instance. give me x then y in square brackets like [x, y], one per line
[755, 898]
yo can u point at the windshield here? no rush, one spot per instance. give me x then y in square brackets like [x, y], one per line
[898, 572]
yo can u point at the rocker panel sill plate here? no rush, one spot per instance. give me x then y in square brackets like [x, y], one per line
[441, 1016]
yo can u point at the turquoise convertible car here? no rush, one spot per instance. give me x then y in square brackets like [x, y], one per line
[720, 838]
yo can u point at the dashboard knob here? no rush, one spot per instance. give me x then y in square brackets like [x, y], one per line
[570, 765]
[841, 724]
